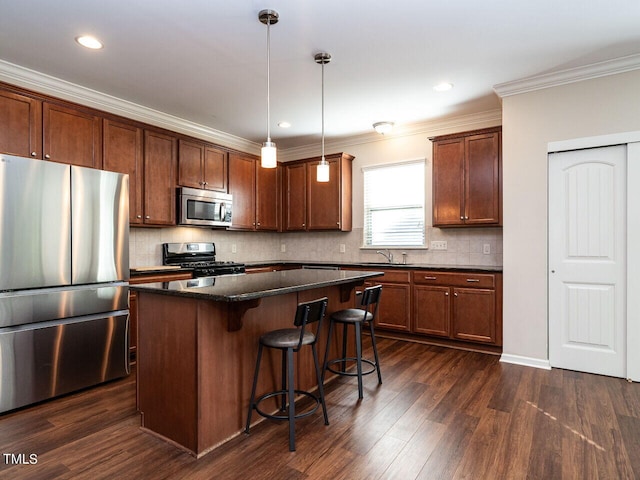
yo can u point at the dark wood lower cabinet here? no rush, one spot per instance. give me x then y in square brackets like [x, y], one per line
[394, 312]
[455, 307]
[473, 315]
[431, 310]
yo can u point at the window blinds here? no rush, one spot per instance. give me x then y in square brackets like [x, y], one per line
[394, 205]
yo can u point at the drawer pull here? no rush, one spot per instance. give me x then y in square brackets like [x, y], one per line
[472, 280]
[430, 278]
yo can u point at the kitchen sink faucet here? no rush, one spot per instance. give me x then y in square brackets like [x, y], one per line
[388, 255]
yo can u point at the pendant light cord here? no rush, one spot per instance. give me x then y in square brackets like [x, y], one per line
[268, 80]
[323, 112]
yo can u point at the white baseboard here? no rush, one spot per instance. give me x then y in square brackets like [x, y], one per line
[526, 361]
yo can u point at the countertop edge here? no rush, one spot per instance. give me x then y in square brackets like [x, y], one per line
[241, 297]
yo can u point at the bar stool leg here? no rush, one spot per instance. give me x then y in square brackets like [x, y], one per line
[283, 397]
[359, 358]
[345, 332]
[375, 352]
[253, 389]
[292, 404]
[326, 351]
[320, 386]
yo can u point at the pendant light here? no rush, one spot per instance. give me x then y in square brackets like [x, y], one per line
[322, 173]
[268, 153]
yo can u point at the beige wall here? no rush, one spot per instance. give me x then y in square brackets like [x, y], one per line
[530, 121]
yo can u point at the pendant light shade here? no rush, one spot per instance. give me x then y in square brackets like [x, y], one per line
[269, 157]
[322, 172]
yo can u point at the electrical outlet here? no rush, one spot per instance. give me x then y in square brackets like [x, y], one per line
[234, 249]
[343, 248]
[486, 248]
[438, 244]
[283, 247]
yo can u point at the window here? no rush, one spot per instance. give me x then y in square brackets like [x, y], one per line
[394, 205]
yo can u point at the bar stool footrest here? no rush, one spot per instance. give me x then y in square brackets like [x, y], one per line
[280, 393]
[350, 359]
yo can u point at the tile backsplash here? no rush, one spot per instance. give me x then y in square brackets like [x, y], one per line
[465, 246]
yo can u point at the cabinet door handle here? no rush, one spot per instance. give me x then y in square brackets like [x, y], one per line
[472, 280]
[446, 294]
[33, 154]
[47, 156]
[258, 223]
[466, 218]
[461, 217]
[455, 294]
[147, 217]
[430, 278]
[138, 216]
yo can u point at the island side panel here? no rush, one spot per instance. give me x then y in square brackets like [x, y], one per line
[166, 367]
[195, 376]
[227, 363]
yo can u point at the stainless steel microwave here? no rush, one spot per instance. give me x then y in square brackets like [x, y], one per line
[204, 208]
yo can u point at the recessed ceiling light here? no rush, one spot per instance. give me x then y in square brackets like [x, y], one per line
[443, 87]
[284, 124]
[89, 42]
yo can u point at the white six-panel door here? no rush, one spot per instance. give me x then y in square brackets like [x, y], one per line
[587, 260]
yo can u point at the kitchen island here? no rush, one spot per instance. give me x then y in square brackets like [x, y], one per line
[198, 341]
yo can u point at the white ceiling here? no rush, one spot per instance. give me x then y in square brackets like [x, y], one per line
[205, 60]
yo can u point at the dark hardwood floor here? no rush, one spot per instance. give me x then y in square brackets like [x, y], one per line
[440, 414]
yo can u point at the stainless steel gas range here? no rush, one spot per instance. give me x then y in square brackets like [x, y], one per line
[201, 257]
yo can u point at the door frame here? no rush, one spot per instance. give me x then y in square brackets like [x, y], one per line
[632, 140]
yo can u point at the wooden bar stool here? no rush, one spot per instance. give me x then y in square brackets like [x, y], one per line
[358, 317]
[290, 341]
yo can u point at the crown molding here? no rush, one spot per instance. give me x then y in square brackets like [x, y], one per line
[570, 75]
[429, 128]
[48, 85]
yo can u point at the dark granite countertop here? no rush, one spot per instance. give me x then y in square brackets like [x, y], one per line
[383, 265]
[236, 288]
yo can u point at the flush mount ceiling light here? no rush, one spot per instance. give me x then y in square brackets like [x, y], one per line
[443, 87]
[88, 41]
[322, 173]
[268, 153]
[284, 124]
[383, 127]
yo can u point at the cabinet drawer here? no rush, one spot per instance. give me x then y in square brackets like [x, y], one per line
[479, 280]
[393, 276]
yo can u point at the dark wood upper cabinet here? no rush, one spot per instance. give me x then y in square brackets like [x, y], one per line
[122, 152]
[71, 136]
[467, 178]
[242, 185]
[20, 125]
[313, 205]
[295, 196]
[202, 165]
[267, 197]
[160, 171]
[255, 193]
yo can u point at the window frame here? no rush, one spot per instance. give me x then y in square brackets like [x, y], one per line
[424, 245]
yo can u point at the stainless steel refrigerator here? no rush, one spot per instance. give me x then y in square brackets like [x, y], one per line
[64, 271]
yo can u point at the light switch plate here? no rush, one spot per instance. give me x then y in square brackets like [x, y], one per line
[283, 247]
[486, 248]
[343, 248]
[438, 244]
[234, 249]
